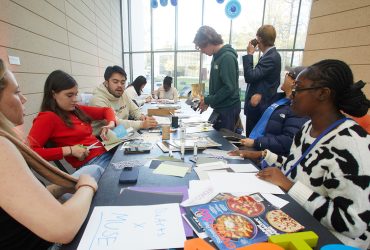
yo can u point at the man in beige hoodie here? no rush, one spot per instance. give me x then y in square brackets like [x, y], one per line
[111, 94]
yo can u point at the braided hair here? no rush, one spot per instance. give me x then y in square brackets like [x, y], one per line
[337, 76]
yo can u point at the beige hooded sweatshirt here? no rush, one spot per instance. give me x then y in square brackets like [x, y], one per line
[123, 106]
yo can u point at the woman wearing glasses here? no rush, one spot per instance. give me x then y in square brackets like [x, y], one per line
[328, 170]
[278, 124]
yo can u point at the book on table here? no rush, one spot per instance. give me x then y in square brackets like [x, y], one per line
[244, 220]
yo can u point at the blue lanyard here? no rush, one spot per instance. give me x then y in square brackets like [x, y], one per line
[326, 131]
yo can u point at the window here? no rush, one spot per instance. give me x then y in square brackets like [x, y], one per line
[159, 42]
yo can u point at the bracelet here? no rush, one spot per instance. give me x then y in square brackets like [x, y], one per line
[86, 185]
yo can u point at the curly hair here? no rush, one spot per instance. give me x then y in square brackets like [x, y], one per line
[207, 35]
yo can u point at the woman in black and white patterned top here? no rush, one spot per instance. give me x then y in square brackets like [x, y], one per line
[332, 181]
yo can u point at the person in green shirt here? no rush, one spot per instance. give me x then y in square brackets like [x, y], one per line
[223, 80]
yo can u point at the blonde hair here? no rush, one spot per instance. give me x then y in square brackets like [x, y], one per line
[5, 124]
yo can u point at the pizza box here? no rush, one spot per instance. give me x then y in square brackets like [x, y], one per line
[241, 221]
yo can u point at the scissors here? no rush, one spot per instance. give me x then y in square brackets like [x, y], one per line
[92, 146]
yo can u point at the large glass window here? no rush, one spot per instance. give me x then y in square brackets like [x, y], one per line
[159, 41]
[188, 10]
[140, 25]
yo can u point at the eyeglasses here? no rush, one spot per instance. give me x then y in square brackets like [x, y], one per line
[291, 75]
[295, 90]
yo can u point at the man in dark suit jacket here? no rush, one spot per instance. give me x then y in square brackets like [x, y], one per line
[264, 79]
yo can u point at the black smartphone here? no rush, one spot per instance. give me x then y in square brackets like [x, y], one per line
[129, 175]
[136, 150]
[232, 138]
[254, 42]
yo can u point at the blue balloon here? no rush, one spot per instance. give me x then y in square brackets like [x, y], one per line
[164, 2]
[154, 4]
[220, 1]
[233, 9]
[174, 2]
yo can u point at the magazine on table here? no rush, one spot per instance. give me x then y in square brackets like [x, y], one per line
[244, 220]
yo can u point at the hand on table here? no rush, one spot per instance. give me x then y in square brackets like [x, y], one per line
[275, 176]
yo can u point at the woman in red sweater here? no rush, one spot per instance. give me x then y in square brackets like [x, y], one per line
[67, 125]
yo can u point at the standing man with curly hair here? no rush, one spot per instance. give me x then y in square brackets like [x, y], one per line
[223, 80]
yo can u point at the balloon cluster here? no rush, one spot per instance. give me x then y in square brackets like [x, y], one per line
[154, 3]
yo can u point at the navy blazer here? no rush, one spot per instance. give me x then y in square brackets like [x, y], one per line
[263, 79]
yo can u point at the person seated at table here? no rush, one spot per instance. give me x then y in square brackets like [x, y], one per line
[165, 91]
[278, 124]
[135, 89]
[67, 125]
[111, 94]
[30, 215]
[331, 180]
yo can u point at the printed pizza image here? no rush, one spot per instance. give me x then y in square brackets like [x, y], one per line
[283, 222]
[246, 205]
[234, 226]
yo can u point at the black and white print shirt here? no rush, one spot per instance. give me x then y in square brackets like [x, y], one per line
[332, 181]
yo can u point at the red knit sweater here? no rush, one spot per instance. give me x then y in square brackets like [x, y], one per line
[48, 126]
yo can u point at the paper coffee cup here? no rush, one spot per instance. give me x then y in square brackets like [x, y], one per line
[166, 132]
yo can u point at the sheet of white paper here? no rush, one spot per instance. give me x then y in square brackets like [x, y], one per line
[198, 129]
[241, 182]
[162, 120]
[221, 153]
[203, 175]
[243, 168]
[119, 227]
[212, 165]
[199, 192]
[172, 170]
[274, 200]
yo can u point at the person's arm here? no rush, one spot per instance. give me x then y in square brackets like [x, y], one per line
[281, 140]
[345, 206]
[40, 133]
[228, 74]
[25, 199]
[265, 67]
[99, 112]
[133, 109]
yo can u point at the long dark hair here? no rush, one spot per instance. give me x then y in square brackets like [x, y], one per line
[337, 76]
[137, 83]
[57, 81]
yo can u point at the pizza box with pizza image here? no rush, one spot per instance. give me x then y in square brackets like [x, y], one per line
[244, 220]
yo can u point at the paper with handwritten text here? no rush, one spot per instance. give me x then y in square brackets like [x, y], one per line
[134, 227]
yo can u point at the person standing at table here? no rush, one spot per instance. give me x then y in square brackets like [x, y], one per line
[264, 79]
[166, 91]
[68, 125]
[328, 170]
[31, 217]
[135, 89]
[111, 94]
[223, 80]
